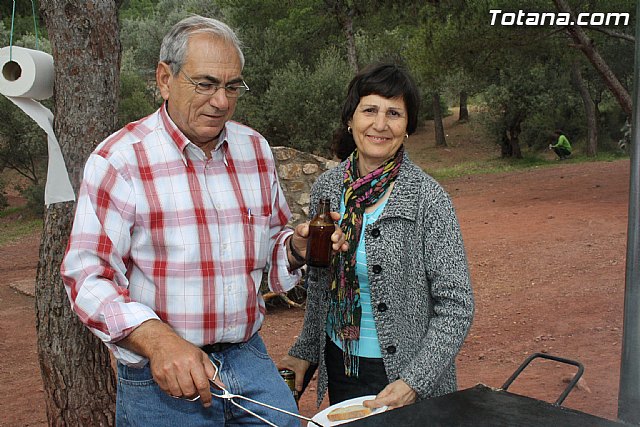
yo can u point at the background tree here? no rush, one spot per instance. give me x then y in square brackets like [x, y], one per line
[586, 45]
[78, 384]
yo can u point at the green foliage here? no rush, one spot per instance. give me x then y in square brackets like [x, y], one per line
[23, 19]
[136, 101]
[301, 109]
[137, 9]
[144, 23]
[34, 194]
[137, 98]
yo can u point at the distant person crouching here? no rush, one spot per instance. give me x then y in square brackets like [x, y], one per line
[562, 147]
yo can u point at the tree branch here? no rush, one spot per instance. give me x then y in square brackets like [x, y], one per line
[616, 34]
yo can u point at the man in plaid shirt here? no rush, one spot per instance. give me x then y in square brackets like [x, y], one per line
[178, 216]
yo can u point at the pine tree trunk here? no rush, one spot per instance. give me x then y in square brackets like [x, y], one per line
[78, 382]
[463, 115]
[589, 109]
[437, 121]
[344, 13]
[352, 53]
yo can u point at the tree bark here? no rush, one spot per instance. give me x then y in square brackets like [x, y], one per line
[586, 45]
[437, 121]
[344, 12]
[352, 53]
[510, 142]
[589, 109]
[79, 384]
[463, 115]
[514, 141]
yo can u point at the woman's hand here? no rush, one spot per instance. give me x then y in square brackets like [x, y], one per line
[298, 240]
[299, 366]
[395, 395]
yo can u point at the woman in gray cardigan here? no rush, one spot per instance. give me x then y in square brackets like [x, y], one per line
[390, 315]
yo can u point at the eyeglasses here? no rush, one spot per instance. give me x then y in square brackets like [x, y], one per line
[235, 90]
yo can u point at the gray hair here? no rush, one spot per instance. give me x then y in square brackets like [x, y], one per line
[174, 44]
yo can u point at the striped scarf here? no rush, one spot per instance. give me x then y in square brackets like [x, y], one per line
[345, 311]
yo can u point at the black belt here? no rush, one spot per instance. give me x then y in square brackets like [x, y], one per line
[217, 347]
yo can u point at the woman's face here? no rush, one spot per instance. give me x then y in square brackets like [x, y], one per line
[379, 126]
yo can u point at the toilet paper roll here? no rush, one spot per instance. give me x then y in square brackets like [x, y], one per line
[26, 76]
[26, 73]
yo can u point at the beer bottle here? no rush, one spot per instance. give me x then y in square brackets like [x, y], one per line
[319, 243]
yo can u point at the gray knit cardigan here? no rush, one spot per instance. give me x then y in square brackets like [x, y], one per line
[421, 294]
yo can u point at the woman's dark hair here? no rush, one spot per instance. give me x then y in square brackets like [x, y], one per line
[387, 80]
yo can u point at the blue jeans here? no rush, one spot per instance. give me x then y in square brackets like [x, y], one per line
[245, 369]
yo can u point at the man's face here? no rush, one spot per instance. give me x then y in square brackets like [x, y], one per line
[201, 117]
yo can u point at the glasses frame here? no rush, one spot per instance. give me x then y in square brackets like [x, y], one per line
[231, 91]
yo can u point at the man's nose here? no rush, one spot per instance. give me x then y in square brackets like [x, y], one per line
[219, 99]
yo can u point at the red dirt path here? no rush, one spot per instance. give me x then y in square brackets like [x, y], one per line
[546, 250]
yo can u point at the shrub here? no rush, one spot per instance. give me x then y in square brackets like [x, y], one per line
[301, 108]
[34, 194]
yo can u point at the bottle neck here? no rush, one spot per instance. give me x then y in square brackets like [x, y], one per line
[323, 207]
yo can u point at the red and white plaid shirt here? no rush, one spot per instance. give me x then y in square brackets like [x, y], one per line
[162, 232]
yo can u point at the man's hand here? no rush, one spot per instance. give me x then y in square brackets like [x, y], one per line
[301, 234]
[395, 395]
[178, 367]
[299, 366]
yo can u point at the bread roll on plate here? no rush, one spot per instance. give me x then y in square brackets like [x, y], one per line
[348, 413]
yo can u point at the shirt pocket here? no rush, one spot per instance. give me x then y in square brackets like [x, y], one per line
[253, 231]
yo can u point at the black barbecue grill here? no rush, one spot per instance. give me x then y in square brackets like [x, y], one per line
[485, 406]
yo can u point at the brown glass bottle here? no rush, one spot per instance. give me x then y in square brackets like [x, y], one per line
[321, 228]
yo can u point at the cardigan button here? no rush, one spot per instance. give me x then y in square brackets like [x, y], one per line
[375, 232]
[377, 269]
[382, 307]
[391, 349]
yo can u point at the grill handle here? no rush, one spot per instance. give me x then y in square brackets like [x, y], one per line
[569, 387]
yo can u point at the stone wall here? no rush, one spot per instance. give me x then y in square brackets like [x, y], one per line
[297, 172]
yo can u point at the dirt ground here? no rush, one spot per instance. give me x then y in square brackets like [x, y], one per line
[546, 249]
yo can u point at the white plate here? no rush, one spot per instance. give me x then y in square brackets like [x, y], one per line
[321, 417]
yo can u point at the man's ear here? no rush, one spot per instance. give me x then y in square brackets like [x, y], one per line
[163, 79]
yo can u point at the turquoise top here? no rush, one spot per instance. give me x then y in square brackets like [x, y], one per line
[368, 345]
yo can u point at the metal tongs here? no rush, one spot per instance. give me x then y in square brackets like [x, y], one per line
[214, 386]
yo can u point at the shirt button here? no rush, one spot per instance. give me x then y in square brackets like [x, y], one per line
[391, 349]
[377, 269]
[375, 232]
[382, 307]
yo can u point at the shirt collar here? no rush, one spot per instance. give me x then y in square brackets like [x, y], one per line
[176, 134]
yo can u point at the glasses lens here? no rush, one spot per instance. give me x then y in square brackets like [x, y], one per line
[235, 91]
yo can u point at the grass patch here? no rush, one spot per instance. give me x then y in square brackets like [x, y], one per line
[488, 167]
[499, 165]
[16, 223]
